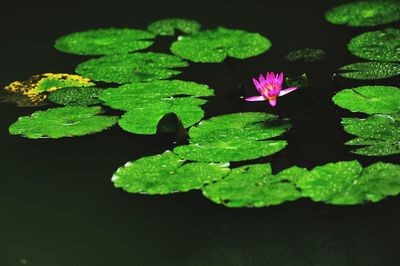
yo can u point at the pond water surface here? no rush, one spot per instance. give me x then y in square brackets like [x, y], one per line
[58, 206]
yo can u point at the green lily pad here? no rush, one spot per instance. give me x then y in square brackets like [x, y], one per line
[306, 55]
[365, 13]
[234, 137]
[134, 95]
[167, 27]
[239, 126]
[380, 134]
[347, 183]
[76, 96]
[370, 70]
[61, 122]
[144, 119]
[104, 41]
[166, 173]
[254, 186]
[229, 150]
[127, 68]
[215, 45]
[369, 99]
[382, 45]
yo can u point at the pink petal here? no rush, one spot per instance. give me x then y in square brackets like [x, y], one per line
[261, 79]
[255, 99]
[257, 84]
[288, 90]
[272, 102]
[280, 79]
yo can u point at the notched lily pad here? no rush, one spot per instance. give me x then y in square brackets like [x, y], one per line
[382, 45]
[167, 27]
[369, 99]
[215, 45]
[234, 137]
[104, 41]
[61, 122]
[254, 186]
[306, 55]
[365, 13]
[347, 183]
[165, 174]
[370, 70]
[144, 119]
[33, 91]
[76, 96]
[134, 95]
[379, 134]
[127, 68]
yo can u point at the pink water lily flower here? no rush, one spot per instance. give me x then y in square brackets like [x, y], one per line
[270, 88]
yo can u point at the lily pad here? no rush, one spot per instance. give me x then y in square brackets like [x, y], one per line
[144, 119]
[382, 45]
[306, 55]
[61, 122]
[254, 186]
[127, 68]
[166, 173]
[34, 89]
[369, 99]
[76, 96]
[229, 150]
[104, 41]
[234, 137]
[134, 95]
[370, 70]
[167, 27]
[238, 126]
[347, 183]
[379, 134]
[365, 13]
[215, 45]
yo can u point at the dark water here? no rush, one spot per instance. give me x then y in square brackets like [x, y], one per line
[59, 208]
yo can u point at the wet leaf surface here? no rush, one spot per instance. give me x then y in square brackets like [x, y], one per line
[127, 68]
[166, 173]
[369, 99]
[215, 45]
[365, 13]
[379, 134]
[104, 41]
[382, 45]
[370, 70]
[61, 122]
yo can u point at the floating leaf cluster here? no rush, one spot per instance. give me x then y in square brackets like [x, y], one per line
[146, 103]
[342, 183]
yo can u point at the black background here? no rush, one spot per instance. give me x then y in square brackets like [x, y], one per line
[59, 208]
